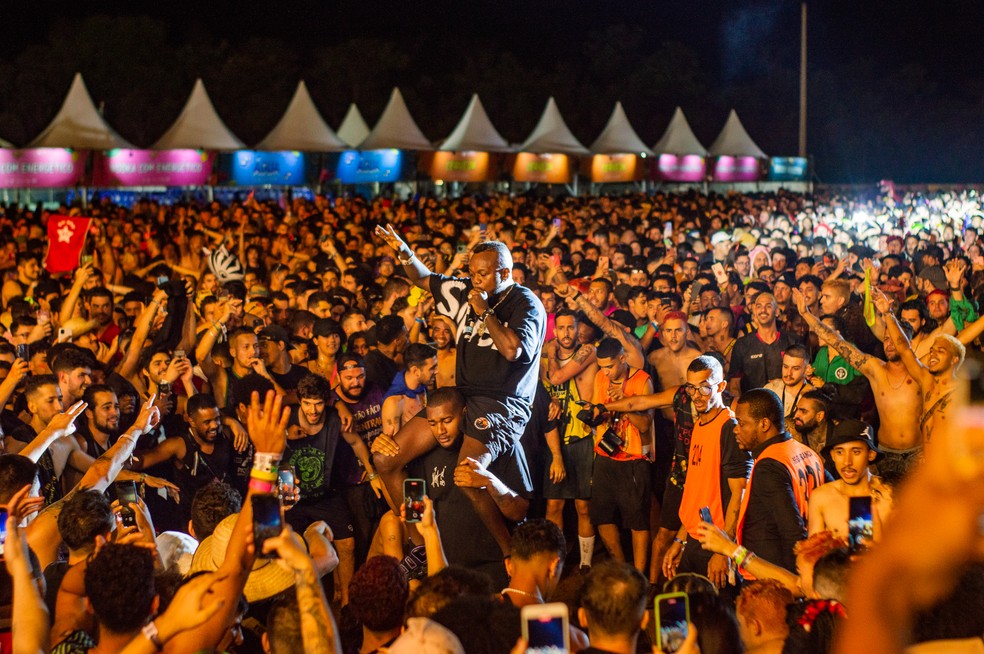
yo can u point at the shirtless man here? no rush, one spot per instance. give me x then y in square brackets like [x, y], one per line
[937, 379]
[897, 393]
[407, 396]
[716, 329]
[853, 451]
[443, 332]
[569, 373]
[672, 359]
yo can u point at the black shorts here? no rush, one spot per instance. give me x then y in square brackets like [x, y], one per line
[669, 515]
[495, 423]
[332, 508]
[620, 489]
[578, 460]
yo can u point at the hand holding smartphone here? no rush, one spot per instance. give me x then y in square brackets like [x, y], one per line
[546, 628]
[126, 493]
[860, 526]
[719, 275]
[413, 499]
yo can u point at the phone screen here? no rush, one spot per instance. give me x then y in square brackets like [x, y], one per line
[861, 530]
[546, 634]
[556, 223]
[672, 611]
[413, 498]
[126, 493]
[719, 274]
[24, 352]
[285, 484]
[3, 530]
[267, 522]
[705, 515]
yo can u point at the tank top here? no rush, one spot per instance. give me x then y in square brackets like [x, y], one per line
[634, 384]
[198, 469]
[568, 396]
[703, 484]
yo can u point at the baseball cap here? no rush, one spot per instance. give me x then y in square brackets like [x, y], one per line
[274, 333]
[326, 327]
[935, 276]
[851, 431]
[719, 237]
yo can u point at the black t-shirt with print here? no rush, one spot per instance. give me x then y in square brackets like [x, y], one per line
[314, 456]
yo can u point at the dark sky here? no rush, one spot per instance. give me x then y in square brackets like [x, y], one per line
[738, 44]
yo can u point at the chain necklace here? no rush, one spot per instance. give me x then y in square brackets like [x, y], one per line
[521, 592]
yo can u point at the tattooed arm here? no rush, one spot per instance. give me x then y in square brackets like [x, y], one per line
[558, 373]
[857, 359]
[633, 349]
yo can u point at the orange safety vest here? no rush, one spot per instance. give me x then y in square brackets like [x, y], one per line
[634, 384]
[703, 485]
[805, 470]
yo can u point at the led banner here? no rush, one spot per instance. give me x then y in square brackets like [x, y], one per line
[40, 168]
[251, 168]
[459, 166]
[356, 167]
[789, 169]
[609, 168]
[737, 169]
[546, 168]
[122, 167]
[681, 168]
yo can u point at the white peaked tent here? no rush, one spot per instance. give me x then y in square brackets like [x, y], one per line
[475, 132]
[301, 128]
[551, 135]
[396, 129]
[198, 126]
[678, 138]
[619, 137]
[353, 129]
[78, 124]
[734, 141]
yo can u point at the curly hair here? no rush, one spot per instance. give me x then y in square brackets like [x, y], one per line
[313, 387]
[119, 583]
[86, 514]
[378, 593]
[212, 504]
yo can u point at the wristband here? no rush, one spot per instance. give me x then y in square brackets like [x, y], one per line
[260, 486]
[677, 540]
[485, 315]
[408, 260]
[739, 556]
[266, 461]
[373, 476]
[263, 475]
[150, 632]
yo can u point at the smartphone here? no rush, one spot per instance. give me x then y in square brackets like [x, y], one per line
[860, 527]
[162, 280]
[164, 389]
[555, 260]
[556, 223]
[126, 493]
[667, 229]
[705, 515]
[179, 354]
[24, 352]
[85, 258]
[672, 617]
[719, 275]
[64, 334]
[546, 628]
[267, 521]
[3, 529]
[482, 227]
[44, 317]
[286, 482]
[462, 249]
[413, 498]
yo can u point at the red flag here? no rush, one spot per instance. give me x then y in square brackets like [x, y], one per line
[66, 238]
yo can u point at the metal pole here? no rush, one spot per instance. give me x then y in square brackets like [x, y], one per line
[802, 116]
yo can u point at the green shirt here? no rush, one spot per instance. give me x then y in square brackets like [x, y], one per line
[833, 371]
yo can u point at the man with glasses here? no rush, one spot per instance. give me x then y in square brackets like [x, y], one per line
[716, 474]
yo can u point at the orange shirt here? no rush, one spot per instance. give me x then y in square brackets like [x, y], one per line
[634, 384]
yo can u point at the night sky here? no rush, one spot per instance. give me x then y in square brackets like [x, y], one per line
[897, 89]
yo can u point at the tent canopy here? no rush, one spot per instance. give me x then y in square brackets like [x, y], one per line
[396, 129]
[619, 137]
[475, 132]
[734, 141]
[301, 128]
[198, 126]
[551, 135]
[678, 138]
[353, 129]
[78, 124]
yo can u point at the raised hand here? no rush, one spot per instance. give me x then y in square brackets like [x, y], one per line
[391, 237]
[800, 301]
[267, 423]
[64, 422]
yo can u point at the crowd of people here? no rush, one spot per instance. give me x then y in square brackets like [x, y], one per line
[743, 398]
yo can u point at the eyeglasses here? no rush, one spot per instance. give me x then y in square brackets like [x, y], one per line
[692, 390]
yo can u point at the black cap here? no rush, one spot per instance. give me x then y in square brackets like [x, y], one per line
[852, 431]
[274, 333]
[326, 327]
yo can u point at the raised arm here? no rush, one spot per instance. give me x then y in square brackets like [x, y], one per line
[415, 269]
[899, 339]
[141, 329]
[203, 353]
[633, 348]
[82, 275]
[661, 400]
[29, 612]
[865, 363]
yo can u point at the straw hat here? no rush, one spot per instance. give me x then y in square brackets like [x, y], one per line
[267, 577]
[424, 636]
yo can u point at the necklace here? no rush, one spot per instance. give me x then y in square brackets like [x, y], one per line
[521, 592]
[479, 328]
[899, 385]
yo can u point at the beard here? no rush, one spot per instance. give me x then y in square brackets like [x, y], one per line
[112, 432]
[353, 393]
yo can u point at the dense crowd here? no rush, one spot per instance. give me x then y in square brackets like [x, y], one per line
[351, 425]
